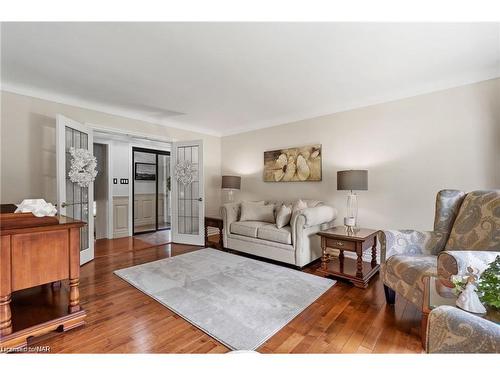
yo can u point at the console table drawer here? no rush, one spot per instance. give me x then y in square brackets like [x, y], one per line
[340, 244]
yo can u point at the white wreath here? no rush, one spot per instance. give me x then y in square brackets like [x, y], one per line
[83, 167]
[185, 172]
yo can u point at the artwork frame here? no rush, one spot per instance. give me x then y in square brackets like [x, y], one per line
[294, 164]
[145, 171]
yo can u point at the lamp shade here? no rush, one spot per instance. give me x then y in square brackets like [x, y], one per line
[231, 182]
[352, 180]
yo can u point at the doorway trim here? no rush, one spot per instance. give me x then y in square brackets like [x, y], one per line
[133, 139]
[109, 165]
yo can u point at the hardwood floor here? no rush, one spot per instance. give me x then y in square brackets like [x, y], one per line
[121, 319]
[160, 237]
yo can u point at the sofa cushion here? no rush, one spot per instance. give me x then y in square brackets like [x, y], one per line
[271, 232]
[477, 226]
[247, 228]
[257, 212]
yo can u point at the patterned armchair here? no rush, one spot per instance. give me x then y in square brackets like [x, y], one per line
[466, 232]
[451, 330]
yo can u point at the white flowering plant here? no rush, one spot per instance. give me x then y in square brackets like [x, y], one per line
[459, 283]
[83, 170]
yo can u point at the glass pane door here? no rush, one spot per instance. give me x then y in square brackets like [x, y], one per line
[73, 200]
[188, 197]
[77, 197]
[187, 193]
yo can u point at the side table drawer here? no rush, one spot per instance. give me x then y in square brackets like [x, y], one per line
[340, 244]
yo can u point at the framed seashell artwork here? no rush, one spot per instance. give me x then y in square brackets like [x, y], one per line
[293, 164]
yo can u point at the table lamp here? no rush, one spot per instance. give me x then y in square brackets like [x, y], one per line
[352, 180]
[231, 183]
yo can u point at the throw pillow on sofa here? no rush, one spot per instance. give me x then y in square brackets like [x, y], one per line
[256, 211]
[283, 216]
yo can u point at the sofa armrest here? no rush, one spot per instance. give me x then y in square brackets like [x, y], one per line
[229, 213]
[451, 330]
[410, 242]
[318, 215]
[310, 221]
[456, 262]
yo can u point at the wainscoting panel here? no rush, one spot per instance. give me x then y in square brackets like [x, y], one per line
[145, 208]
[120, 216]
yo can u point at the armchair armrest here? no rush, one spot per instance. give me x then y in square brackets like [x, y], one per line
[451, 330]
[455, 262]
[410, 242]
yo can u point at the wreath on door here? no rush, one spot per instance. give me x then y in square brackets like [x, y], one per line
[185, 172]
[83, 170]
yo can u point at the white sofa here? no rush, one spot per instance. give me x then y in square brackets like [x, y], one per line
[296, 243]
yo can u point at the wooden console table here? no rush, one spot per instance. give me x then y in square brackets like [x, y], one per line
[36, 251]
[356, 270]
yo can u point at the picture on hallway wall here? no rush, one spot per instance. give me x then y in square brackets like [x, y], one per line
[145, 171]
[297, 164]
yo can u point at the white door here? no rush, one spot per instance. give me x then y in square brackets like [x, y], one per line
[73, 200]
[188, 204]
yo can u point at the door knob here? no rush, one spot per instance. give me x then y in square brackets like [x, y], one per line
[200, 199]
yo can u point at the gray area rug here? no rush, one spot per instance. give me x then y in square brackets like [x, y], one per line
[239, 301]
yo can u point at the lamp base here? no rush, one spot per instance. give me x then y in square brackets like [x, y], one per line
[350, 225]
[228, 195]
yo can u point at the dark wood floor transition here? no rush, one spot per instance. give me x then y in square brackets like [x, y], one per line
[121, 319]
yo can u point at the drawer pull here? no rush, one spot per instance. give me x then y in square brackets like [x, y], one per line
[340, 243]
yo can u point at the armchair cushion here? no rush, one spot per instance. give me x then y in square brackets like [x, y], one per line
[477, 226]
[451, 330]
[405, 273]
[456, 262]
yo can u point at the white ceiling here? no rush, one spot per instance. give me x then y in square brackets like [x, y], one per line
[225, 78]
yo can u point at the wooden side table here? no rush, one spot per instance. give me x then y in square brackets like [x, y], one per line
[357, 271]
[214, 222]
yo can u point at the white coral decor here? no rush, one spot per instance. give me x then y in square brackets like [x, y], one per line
[83, 167]
[185, 172]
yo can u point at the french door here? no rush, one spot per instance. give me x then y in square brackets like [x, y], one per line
[188, 206]
[72, 200]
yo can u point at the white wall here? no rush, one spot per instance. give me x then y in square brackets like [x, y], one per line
[121, 166]
[28, 164]
[412, 148]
